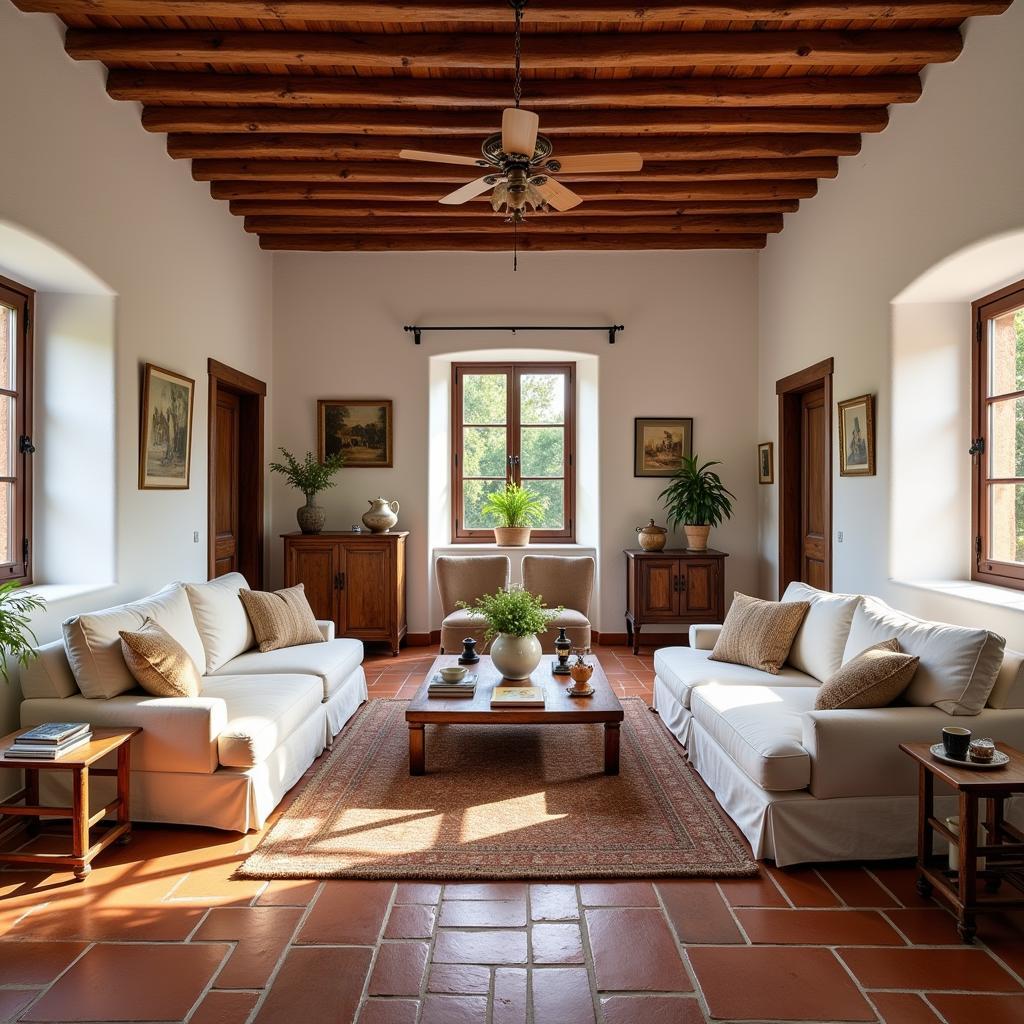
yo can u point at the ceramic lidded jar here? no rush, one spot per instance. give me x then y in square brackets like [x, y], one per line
[383, 514]
[651, 537]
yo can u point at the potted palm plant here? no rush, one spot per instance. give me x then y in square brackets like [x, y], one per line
[698, 500]
[311, 476]
[518, 509]
[17, 640]
[513, 618]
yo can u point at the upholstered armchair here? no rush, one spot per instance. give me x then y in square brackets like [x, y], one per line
[568, 582]
[466, 579]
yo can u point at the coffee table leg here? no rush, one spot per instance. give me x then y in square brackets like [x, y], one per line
[611, 748]
[417, 750]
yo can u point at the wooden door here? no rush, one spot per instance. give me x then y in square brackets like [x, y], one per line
[317, 565]
[659, 595]
[365, 605]
[699, 589]
[226, 483]
[814, 469]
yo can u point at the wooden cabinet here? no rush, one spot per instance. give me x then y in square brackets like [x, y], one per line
[673, 587]
[355, 579]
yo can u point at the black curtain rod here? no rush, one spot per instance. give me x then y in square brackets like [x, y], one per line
[612, 329]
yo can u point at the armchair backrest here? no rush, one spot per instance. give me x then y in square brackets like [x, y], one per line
[568, 582]
[461, 578]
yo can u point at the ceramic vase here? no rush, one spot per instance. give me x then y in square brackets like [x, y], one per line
[651, 537]
[311, 516]
[515, 657]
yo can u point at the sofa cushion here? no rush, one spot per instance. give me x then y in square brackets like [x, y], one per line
[958, 665]
[874, 679]
[683, 668]
[171, 609]
[261, 712]
[280, 619]
[159, 663]
[760, 728]
[220, 618]
[1008, 691]
[758, 633]
[819, 643]
[48, 674]
[332, 663]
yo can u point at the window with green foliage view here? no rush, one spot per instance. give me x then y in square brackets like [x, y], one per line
[512, 423]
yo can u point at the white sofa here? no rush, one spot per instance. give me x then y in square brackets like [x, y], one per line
[806, 785]
[223, 759]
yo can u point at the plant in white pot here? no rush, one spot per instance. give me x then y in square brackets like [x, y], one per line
[518, 509]
[698, 500]
[513, 619]
[311, 476]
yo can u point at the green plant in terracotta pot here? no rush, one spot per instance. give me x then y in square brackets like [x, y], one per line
[518, 509]
[697, 499]
[311, 476]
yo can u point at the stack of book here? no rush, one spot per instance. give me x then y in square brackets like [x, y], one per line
[50, 741]
[439, 688]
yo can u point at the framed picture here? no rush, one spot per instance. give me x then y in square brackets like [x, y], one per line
[857, 436]
[165, 437]
[361, 428]
[766, 463]
[660, 444]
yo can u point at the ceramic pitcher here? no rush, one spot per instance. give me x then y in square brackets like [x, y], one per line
[382, 515]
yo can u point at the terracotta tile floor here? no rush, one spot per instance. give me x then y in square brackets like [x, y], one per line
[160, 932]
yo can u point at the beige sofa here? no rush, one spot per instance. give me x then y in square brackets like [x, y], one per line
[223, 759]
[807, 785]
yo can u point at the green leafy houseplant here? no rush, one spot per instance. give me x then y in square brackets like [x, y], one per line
[697, 499]
[16, 637]
[514, 612]
[517, 509]
[311, 476]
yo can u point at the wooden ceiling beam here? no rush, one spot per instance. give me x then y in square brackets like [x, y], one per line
[171, 87]
[479, 124]
[492, 51]
[552, 12]
[544, 223]
[386, 147]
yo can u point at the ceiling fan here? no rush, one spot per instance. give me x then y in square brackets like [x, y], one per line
[521, 161]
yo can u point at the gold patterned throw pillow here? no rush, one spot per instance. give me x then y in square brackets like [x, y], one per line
[281, 619]
[874, 679]
[160, 665]
[759, 633]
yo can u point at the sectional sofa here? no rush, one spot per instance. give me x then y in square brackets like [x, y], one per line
[807, 785]
[223, 759]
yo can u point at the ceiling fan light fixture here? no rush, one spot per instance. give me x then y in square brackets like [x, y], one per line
[519, 131]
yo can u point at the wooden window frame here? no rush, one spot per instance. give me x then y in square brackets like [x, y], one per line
[983, 311]
[22, 299]
[515, 372]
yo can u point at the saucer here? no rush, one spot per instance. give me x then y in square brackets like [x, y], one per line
[468, 679]
[999, 759]
[589, 692]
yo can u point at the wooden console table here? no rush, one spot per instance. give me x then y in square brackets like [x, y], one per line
[674, 587]
[79, 763]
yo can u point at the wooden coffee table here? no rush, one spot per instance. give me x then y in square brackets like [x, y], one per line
[559, 709]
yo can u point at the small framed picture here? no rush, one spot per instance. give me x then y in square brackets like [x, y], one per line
[857, 436]
[165, 434]
[660, 444]
[363, 429]
[766, 463]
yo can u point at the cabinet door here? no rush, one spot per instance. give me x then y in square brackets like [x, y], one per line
[659, 596]
[367, 594]
[699, 591]
[314, 564]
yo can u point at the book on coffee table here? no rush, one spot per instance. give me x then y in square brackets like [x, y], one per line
[517, 697]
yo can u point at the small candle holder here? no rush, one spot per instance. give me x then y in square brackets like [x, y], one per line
[563, 648]
[469, 655]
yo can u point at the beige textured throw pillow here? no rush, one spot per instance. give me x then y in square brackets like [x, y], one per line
[281, 619]
[759, 633]
[874, 679]
[160, 665]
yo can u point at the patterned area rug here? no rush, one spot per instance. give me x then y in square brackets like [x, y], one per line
[503, 802]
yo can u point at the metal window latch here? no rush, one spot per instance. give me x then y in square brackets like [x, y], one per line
[25, 445]
[977, 446]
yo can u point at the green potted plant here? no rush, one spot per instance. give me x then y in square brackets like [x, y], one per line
[698, 500]
[311, 476]
[518, 509]
[17, 640]
[513, 619]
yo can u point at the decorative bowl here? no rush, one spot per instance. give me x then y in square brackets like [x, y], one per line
[453, 674]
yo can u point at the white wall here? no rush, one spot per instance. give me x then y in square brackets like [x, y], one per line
[79, 172]
[944, 175]
[688, 350]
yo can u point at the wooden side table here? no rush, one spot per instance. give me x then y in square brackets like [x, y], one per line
[79, 763]
[1003, 848]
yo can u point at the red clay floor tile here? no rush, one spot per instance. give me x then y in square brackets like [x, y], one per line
[651, 1010]
[925, 926]
[752, 892]
[411, 921]
[14, 1000]
[856, 888]
[634, 951]
[818, 927]
[347, 913]
[225, 1008]
[459, 979]
[974, 1009]
[965, 970]
[902, 1008]
[552, 902]
[562, 994]
[417, 892]
[389, 1011]
[483, 914]
[618, 894]
[804, 887]
[261, 933]
[290, 892]
[483, 947]
[510, 1001]
[35, 963]
[698, 913]
[318, 985]
[557, 944]
[454, 1010]
[399, 969]
[485, 891]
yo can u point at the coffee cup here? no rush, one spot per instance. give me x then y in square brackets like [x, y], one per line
[956, 741]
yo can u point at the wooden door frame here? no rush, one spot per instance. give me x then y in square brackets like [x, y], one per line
[790, 391]
[252, 394]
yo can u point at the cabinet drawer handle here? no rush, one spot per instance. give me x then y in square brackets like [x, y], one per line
[339, 581]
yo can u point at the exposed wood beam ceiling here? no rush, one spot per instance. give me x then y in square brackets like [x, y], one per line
[295, 110]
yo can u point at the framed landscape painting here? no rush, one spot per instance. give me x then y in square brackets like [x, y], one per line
[766, 463]
[857, 436]
[660, 444]
[165, 438]
[362, 429]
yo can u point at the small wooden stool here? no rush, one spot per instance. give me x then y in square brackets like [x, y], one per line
[79, 762]
[1003, 848]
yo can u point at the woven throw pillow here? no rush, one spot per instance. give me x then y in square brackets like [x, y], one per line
[759, 633]
[281, 619]
[159, 664]
[874, 679]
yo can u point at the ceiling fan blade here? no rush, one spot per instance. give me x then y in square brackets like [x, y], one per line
[440, 158]
[519, 131]
[595, 162]
[468, 191]
[556, 195]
